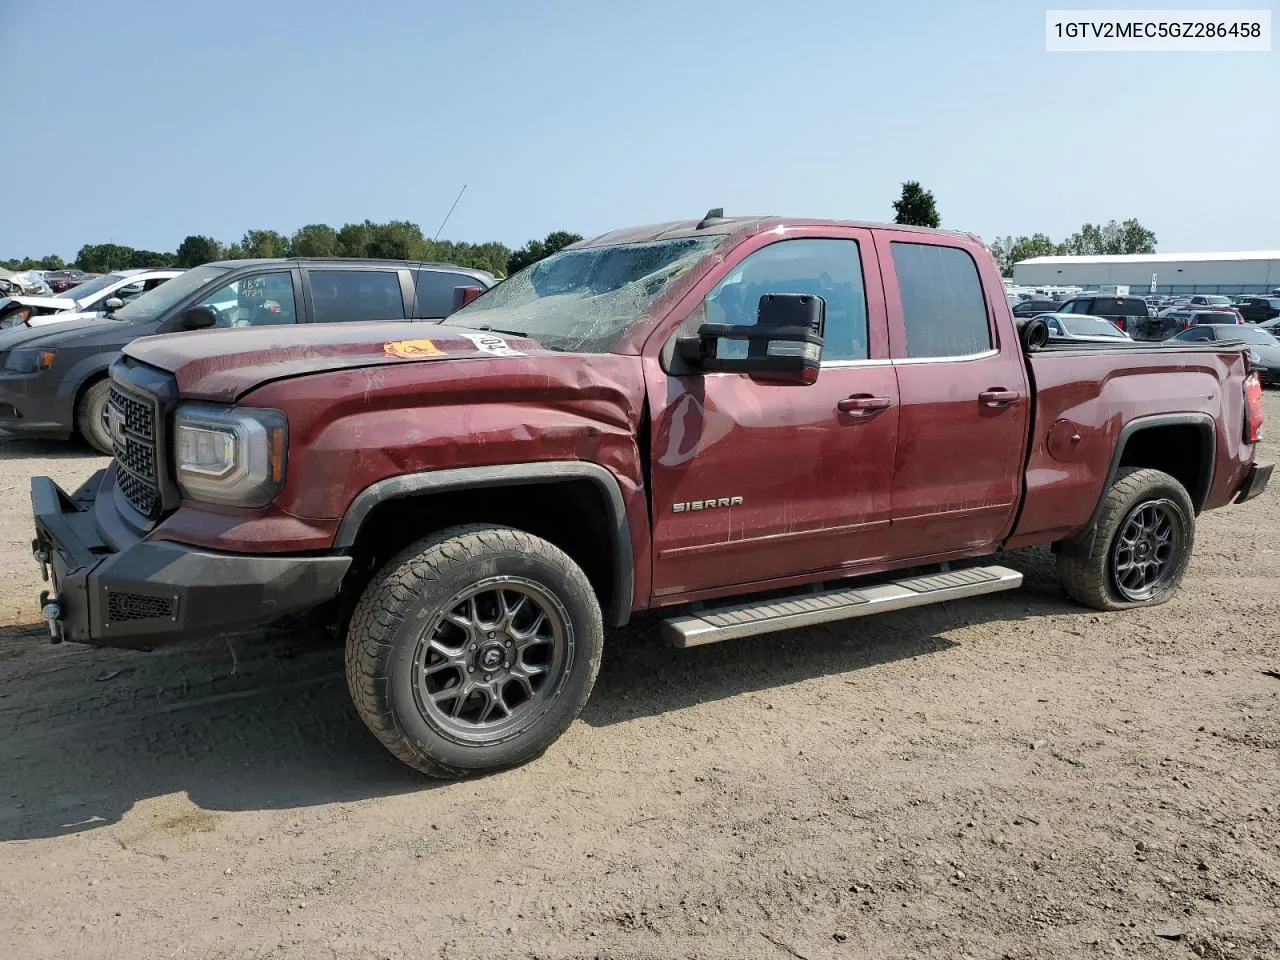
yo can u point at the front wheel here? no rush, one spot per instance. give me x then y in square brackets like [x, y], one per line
[1141, 547]
[474, 649]
[91, 416]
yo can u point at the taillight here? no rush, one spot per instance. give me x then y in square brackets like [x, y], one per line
[1252, 408]
[1120, 322]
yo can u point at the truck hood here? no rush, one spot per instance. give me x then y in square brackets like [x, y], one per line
[223, 365]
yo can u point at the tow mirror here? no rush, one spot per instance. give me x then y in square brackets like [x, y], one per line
[198, 318]
[784, 345]
[464, 295]
[111, 304]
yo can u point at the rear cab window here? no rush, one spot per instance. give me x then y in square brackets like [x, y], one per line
[943, 307]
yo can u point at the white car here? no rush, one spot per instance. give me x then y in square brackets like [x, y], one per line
[1076, 326]
[93, 298]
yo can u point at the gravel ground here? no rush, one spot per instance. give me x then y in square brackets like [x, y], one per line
[1010, 776]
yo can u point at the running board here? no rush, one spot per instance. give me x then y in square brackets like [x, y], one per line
[714, 624]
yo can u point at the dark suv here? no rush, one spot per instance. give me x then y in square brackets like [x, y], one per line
[1122, 311]
[53, 379]
[1259, 309]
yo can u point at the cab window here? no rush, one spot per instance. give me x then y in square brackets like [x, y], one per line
[827, 268]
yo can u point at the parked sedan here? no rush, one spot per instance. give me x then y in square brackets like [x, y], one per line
[1074, 326]
[1264, 349]
[93, 298]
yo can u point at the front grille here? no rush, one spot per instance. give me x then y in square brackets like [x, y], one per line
[132, 423]
[139, 416]
[134, 606]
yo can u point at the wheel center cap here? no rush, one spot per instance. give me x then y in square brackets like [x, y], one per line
[1143, 549]
[490, 656]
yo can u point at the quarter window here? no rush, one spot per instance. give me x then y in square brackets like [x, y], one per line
[943, 308]
[343, 295]
[831, 269]
[436, 291]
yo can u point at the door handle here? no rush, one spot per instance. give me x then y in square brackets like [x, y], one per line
[999, 397]
[863, 404]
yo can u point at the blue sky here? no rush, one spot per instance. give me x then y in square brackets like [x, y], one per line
[220, 117]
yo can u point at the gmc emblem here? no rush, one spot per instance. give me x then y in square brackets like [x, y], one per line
[115, 423]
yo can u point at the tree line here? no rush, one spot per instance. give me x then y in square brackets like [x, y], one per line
[1128, 236]
[916, 206]
[393, 240]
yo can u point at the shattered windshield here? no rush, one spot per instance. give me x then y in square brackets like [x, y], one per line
[585, 300]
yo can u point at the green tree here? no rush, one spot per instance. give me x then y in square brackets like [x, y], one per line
[103, 257]
[196, 249]
[1024, 248]
[52, 262]
[916, 206]
[314, 240]
[265, 243]
[1110, 239]
[234, 252]
[398, 240]
[354, 239]
[536, 250]
[1001, 249]
[151, 258]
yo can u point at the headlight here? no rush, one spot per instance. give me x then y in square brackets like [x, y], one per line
[29, 360]
[230, 455]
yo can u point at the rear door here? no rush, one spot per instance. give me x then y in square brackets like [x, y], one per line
[346, 295]
[752, 481]
[962, 427]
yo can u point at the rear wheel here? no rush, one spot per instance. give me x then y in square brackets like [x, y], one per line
[473, 650]
[91, 416]
[1141, 547]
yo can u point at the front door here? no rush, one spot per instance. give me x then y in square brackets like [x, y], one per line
[962, 429]
[752, 481]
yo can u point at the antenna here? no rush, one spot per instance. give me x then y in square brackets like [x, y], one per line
[450, 213]
[417, 274]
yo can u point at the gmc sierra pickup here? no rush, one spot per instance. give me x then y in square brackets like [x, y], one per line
[737, 425]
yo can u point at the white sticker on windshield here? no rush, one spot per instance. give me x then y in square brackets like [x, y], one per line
[490, 343]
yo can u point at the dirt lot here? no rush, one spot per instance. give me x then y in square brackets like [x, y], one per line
[1005, 777]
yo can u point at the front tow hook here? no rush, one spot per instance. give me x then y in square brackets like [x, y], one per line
[42, 555]
[51, 611]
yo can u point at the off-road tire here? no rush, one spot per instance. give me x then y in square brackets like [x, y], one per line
[91, 416]
[1086, 565]
[404, 597]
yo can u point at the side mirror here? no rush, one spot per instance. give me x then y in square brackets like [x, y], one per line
[784, 345]
[198, 318]
[111, 304]
[464, 295]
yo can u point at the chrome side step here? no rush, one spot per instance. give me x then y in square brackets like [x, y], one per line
[714, 624]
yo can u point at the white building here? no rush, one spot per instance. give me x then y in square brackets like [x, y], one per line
[1257, 272]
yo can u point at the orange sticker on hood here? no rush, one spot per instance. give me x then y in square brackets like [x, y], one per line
[411, 349]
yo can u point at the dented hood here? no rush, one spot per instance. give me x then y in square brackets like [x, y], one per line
[226, 364]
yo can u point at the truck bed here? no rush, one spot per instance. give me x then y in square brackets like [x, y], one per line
[1086, 396]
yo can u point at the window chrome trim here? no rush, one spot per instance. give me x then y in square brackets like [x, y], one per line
[840, 364]
[984, 355]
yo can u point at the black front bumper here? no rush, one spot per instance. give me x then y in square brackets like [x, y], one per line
[1255, 481]
[114, 589]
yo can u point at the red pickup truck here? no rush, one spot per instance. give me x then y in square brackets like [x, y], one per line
[735, 425]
